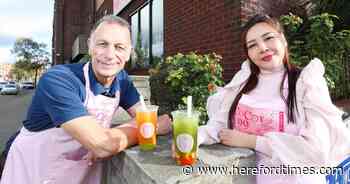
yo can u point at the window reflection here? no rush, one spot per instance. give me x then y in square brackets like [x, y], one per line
[143, 25]
[144, 14]
[157, 28]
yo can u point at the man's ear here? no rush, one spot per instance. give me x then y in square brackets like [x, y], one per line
[88, 45]
[88, 42]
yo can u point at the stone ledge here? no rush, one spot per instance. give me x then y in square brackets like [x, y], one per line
[135, 166]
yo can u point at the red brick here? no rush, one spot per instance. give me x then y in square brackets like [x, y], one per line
[190, 25]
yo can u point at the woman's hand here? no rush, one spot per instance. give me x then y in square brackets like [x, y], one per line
[236, 138]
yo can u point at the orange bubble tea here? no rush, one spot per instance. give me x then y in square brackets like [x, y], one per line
[146, 119]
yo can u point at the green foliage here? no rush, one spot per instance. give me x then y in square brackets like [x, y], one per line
[315, 37]
[336, 7]
[140, 54]
[31, 56]
[85, 58]
[182, 75]
[17, 73]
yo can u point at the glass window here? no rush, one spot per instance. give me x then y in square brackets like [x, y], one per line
[150, 30]
[134, 28]
[144, 14]
[157, 28]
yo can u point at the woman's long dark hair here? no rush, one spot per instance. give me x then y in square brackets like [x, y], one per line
[292, 72]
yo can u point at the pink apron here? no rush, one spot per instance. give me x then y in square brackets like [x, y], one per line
[52, 156]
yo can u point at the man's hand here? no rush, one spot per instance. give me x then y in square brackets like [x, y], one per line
[88, 132]
[163, 125]
[120, 141]
[237, 139]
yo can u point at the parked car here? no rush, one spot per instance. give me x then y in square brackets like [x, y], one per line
[14, 83]
[9, 89]
[27, 85]
[2, 84]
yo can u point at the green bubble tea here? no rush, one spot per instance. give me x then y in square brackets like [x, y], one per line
[185, 130]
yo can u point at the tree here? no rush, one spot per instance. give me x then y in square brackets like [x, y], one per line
[318, 38]
[340, 8]
[17, 73]
[31, 56]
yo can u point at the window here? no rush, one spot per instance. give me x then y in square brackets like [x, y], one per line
[147, 23]
[157, 28]
[134, 28]
[144, 28]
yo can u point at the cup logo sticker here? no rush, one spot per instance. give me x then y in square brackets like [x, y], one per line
[184, 142]
[147, 130]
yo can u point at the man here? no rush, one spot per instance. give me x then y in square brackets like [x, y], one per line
[67, 126]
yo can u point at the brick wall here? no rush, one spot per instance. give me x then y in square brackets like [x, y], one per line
[204, 26]
[71, 18]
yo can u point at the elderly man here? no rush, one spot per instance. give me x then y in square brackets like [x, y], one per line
[68, 122]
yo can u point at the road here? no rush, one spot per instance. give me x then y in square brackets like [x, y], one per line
[13, 110]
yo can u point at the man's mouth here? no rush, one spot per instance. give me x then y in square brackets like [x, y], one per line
[110, 63]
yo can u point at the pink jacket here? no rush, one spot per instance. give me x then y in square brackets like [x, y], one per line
[323, 139]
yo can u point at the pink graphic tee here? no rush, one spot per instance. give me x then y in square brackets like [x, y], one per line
[258, 121]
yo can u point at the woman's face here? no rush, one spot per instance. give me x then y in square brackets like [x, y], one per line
[266, 47]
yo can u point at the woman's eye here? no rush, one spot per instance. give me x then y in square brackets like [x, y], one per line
[269, 38]
[251, 46]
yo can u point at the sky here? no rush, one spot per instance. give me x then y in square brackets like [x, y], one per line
[24, 18]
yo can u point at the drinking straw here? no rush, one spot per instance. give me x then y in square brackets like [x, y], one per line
[189, 105]
[143, 105]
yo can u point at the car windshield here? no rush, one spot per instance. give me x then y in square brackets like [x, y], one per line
[29, 83]
[10, 86]
[2, 83]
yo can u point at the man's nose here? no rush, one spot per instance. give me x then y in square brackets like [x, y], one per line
[110, 52]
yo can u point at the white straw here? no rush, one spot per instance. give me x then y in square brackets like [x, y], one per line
[189, 105]
[143, 105]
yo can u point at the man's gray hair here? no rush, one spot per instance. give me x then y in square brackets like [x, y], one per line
[111, 19]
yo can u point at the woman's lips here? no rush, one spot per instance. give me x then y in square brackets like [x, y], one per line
[267, 58]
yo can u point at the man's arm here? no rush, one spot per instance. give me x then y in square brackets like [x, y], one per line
[128, 130]
[132, 110]
[102, 142]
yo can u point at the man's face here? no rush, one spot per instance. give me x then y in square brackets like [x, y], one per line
[109, 48]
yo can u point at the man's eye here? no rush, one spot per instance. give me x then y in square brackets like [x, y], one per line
[119, 47]
[102, 44]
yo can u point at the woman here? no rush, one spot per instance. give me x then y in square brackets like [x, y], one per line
[283, 113]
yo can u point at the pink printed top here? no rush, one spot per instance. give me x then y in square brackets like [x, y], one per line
[263, 111]
[318, 138]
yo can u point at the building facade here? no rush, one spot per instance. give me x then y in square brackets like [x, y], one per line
[163, 27]
[5, 69]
